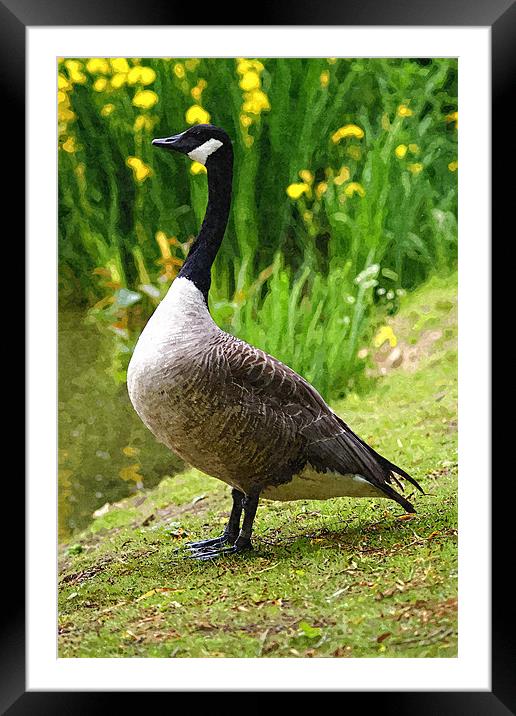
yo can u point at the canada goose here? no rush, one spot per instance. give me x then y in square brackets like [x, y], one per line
[230, 409]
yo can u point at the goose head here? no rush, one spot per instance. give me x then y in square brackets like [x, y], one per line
[202, 143]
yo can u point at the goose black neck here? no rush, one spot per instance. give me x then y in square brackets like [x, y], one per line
[197, 266]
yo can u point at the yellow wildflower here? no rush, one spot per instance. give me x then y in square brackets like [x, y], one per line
[250, 81]
[98, 65]
[321, 189]
[354, 188]
[400, 151]
[191, 65]
[306, 175]
[308, 216]
[348, 130]
[453, 117]
[413, 148]
[140, 170]
[130, 451]
[147, 75]
[100, 84]
[196, 93]
[256, 102]
[331, 60]
[145, 99]
[62, 82]
[143, 121]
[131, 473]
[118, 80]
[248, 140]
[354, 152]
[453, 166]
[120, 64]
[324, 78]
[245, 121]
[244, 66]
[139, 123]
[62, 98]
[179, 70]
[197, 115]
[296, 190]
[70, 146]
[404, 111]
[416, 168]
[64, 114]
[74, 72]
[385, 334]
[107, 109]
[133, 76]
[197, 168]
[342, 176]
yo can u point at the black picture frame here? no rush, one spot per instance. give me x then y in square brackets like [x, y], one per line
[15, 17]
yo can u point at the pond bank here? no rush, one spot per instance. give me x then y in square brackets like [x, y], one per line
[344, 578]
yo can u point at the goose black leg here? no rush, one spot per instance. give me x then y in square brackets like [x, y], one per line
[230, 534]
[243, 541]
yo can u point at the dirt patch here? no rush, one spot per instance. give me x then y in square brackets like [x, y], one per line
[416, 336]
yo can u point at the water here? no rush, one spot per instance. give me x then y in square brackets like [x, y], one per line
[105, 452]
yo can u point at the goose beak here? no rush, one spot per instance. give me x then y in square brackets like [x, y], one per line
[169, 142]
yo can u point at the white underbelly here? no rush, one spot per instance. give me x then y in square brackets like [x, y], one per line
[312, 485]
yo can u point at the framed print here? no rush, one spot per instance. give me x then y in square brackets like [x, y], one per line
[303, 186]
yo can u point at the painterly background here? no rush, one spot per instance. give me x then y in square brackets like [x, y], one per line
[345, 201]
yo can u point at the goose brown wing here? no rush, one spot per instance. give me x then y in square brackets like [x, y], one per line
[300, 414]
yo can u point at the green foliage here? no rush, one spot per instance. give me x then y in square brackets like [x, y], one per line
[345, 194]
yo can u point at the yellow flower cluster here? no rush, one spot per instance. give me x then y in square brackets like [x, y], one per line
[107, 109]
[98, 66]
[144, 122]
[75, 73]
[179, 70]
[141, 75]
[197, 168]
[69, 145]
[324, 78]
[342, 176]
[348, 130]
[453, 117]
[140, 170]
[401, 150]
[321, 189]
[453, 166]
[296, 190]
[121, 73]
[145, 99]
[255, 100]
[404, 111]
[416, 168]
[385, 334]
[65, 113]
[197, 115]
[192, 64]
[354, 188]
[199, 88]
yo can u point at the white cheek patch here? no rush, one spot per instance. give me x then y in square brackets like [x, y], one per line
[201, 154]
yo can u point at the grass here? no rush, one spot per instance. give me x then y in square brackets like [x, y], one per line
[342, 578]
